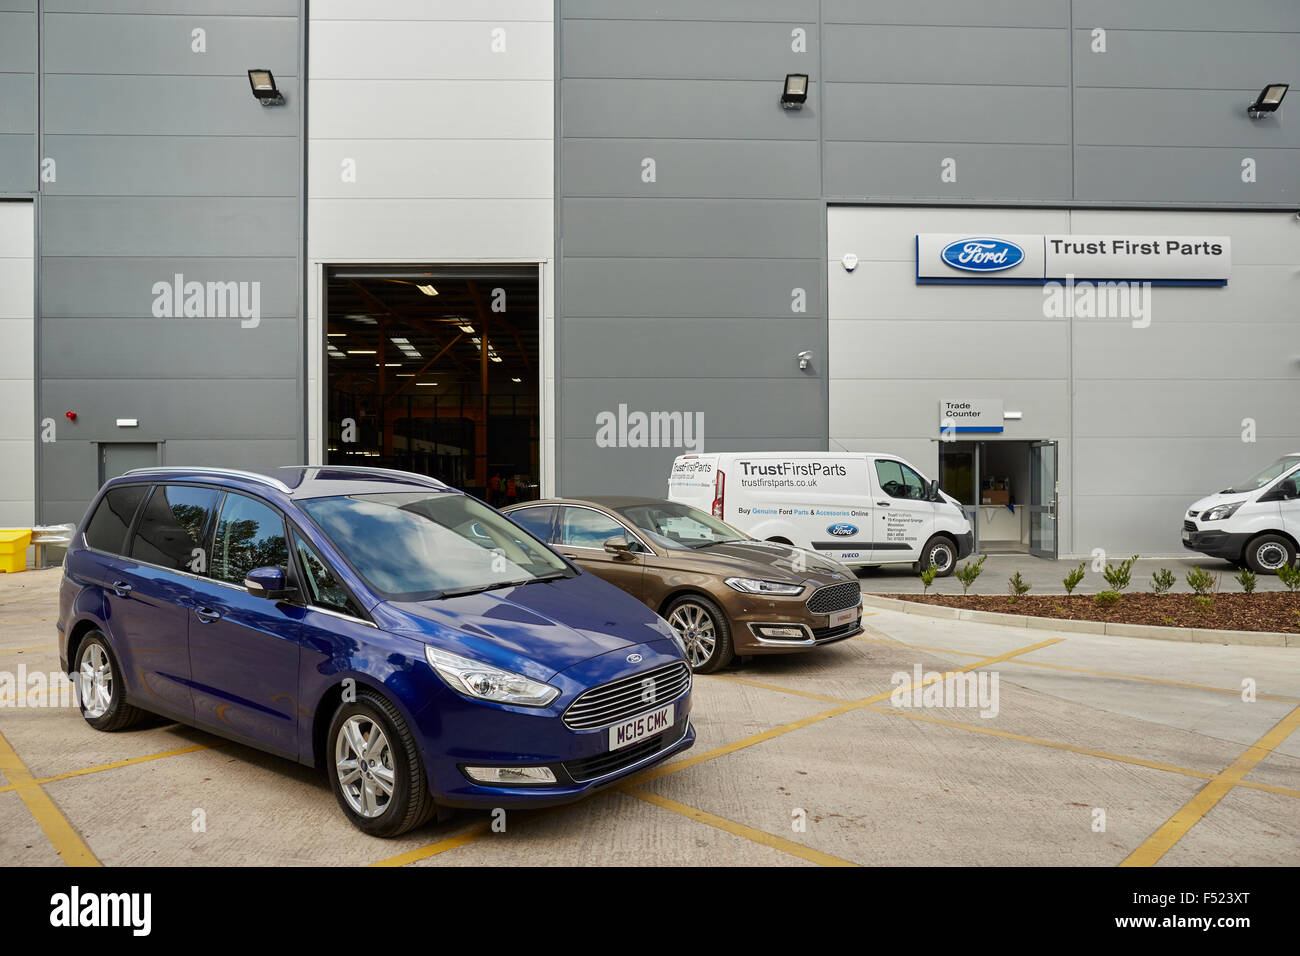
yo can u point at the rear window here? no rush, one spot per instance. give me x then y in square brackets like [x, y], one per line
[172, 526]
[112, 519]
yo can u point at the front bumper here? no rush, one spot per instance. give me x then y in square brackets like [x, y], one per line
[748, 638]
[965, 544]
[1216, 544]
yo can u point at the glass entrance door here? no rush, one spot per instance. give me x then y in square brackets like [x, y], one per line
[1042, 499]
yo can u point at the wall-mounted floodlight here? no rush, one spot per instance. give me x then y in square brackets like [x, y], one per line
[795, 93]
[1269, 99]
[264, 88]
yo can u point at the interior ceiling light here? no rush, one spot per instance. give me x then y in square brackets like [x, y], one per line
[435, 384]
[426, 289]
[467, 328]
[516, 380]
[336, 335]
[362, 352]
[264, 88]
[493, 357]
[1269, 99]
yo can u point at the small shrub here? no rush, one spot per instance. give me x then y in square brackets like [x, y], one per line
[1247, 579]
[1204, 602]
[1119, 575]
[1200, 581]
[1107, 598]
[969, 571]
[1018, 586]
[1074, 577]
[1162, 582]
[927, 578]
[1169, 621]
[1290, 576]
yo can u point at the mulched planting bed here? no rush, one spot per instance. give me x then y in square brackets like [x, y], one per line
[1261, 611]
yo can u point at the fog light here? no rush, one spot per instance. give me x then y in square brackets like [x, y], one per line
[782, 633]
[508, 776]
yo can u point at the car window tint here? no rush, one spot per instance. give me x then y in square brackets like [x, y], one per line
[536, 521]
[170, 531]
[107, 530]
[250, 534]
[322, 585]
[899, 481]
[584, 528]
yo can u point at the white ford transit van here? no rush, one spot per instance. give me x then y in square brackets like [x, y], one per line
[1256, 522]
[862, 509]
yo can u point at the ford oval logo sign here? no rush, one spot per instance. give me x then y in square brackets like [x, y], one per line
[634, 658]
[842, 529]
[982, 254]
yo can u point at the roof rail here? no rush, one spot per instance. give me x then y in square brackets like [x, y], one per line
[409, 476]
[204, 470]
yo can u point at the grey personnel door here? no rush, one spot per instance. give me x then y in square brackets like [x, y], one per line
[119, 457]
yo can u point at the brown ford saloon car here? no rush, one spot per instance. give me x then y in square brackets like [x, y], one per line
[724, 593]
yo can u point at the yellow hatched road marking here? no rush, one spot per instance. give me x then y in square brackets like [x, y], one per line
[67, 842]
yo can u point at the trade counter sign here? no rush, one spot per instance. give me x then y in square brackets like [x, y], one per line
[1015, 259]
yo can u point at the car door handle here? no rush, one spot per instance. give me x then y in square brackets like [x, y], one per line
[206, 614]
[122, 589]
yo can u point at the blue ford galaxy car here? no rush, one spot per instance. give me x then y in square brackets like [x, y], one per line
[417, 645]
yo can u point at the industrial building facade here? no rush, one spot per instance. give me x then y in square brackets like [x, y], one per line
[636, 251]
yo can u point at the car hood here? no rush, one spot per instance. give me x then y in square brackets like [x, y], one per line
[1220, 498]
[766, 559]
[536, 629]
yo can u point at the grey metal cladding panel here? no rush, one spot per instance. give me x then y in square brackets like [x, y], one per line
[742, 228]
[69, 478]
[890, 113]
[987, 13]
[178, 106]
[172, 408]
[1185, 175]
[18, 6]
[685, 109]
[911, 170]
[707, 288]
[890, 54]
[781, 10]
[17, 162]
[168, 226]
[18, 103]
[174, 165]
[17, 42]
[250, 8]
[1156, 59]
[225, 453]
[1279, 15]
[108, 287]
[701, 168]
[1121, 117]
[144, 44]
[686, 49]
[741, 408]
[115, 348]
[719, 348]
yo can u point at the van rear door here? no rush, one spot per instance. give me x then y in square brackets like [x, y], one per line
[904, 519]
[692, 481]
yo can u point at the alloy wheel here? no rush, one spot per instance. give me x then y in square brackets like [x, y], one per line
[695, 626]
[363, 761]
[96, 681]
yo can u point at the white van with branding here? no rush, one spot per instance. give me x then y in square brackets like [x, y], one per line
[862, 509]
[1255, 522]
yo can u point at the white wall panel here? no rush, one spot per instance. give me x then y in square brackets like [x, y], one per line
[17, 366]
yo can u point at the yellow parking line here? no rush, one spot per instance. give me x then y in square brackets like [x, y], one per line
[23, 650]
[739, 829]
[1176, 827]
[784, 690]
[1083, 670]
[131, 761]
[433, 849]
[67, 842]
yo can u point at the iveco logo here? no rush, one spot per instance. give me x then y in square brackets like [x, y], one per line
[842, 529]
[982, 254]
[634, 658]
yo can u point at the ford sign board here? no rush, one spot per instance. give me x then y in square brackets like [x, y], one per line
[842, 529]
[982, 254]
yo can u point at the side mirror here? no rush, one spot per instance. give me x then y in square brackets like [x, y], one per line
[268, 583]
[1287, 488]
[932, 490]
[618, 546]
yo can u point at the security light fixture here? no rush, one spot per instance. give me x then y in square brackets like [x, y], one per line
[1269, 99]
[264, 88]
[795, 93]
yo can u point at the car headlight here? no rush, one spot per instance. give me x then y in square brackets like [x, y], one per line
[1219, 512]
[485, 682]
[756, 586]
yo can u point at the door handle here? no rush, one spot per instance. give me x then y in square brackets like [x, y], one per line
[882, 504]
[206, 614]
[122, 589]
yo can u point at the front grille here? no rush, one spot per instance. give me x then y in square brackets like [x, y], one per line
[1189, 525]
[627, 697]
[589, 768]
[824, 635]
[836, 597]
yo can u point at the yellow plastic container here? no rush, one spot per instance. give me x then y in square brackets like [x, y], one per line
[13, 548]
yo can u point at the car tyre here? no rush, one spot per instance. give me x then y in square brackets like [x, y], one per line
[704, 629]
[375, 768]
[1268, 552]
[101, 694]
[939, 553]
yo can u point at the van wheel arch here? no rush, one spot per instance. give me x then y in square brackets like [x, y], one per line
[934, 539]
